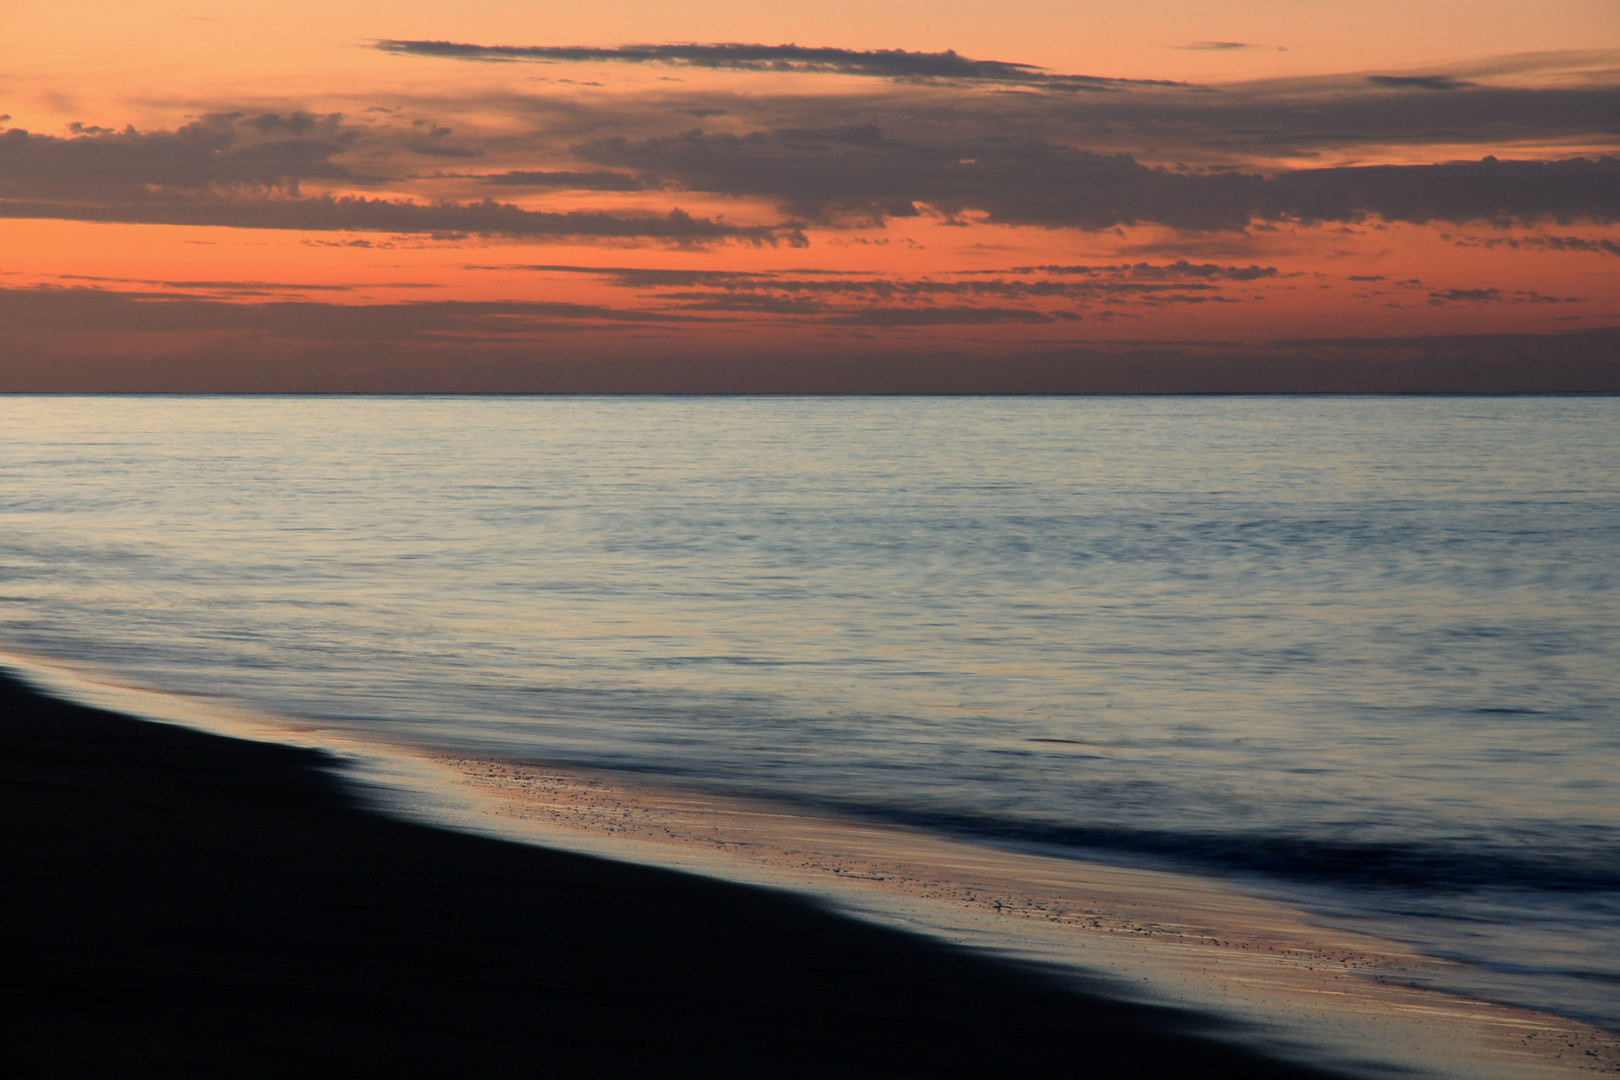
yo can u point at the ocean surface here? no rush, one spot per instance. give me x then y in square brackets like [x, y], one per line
[1362, 651]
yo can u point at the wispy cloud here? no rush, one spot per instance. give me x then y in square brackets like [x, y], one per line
[357, 213]
[1013, 161]
[573, 181]
[248, 287]
[1027, 295]
[1597, 245]
[862, 171]
[245, 172]
[1419, 82]
[451, 347]
[1180, 269]
[1489, 295]
[957, 315]
[85, 310]
[880, 63]
[268, 151]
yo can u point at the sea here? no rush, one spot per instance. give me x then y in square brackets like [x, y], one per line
[1363, 652]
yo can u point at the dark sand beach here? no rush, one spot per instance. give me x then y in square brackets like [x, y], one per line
[179, 903]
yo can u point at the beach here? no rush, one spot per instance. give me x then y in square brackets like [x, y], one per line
[186, 904]
[1291, 983]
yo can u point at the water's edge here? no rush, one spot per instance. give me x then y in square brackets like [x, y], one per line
[1293, 985]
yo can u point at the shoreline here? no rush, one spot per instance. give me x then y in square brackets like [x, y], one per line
[1281, 985]
[1360, 1002]
[187, 904]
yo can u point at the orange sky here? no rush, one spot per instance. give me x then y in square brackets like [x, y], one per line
[327, 196]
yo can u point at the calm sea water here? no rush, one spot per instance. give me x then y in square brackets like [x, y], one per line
[1367, 650]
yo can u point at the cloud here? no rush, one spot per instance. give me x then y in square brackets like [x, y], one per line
[1419, 82]
[253, 288]
[947, 316]
[1581, 361]
[85, 310]
[360, 214]
[1235, 125]
[1245, 123]
[832, 173]
[840, 158]
[881, 63]
[249, 287]
[962, 298]
[756, 303]
[440, 150]
[1012, 158]
[1179, 269]
[1443, 297]
[243, 171]
[574, 181]
[267, 152]
[639, 277]
[1598, 245]
[888, 287]
[1218, 46]
[1475, 295]
[1486, 190]
[1138, 279]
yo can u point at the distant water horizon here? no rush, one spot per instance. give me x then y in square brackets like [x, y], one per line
[1365, 650]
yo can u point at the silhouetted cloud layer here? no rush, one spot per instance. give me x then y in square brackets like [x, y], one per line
[83, 310]
[573, 181]
[954, 315]
[1489, 190]
[356, 213]
[269, 151]
[1190, 159]
[1419, 82]
[1235, 124]
[1180, 269]
[1443, 297]
[882, 63]
[206, 174]
[1044, 294]
[823, 173]
[1597, 245]
[458, 347]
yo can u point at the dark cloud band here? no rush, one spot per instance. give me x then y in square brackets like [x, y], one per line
[265, 152]
[822, 174]
[880, 63]
[1419, 82]
[243, 172]
[359, 214]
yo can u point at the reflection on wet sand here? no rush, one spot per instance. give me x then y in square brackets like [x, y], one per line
[1304, 987]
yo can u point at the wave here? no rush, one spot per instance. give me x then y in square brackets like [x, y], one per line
[1415, 866]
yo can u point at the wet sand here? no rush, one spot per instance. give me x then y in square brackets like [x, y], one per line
[189, 903]
[177, 903]
[1318, 992]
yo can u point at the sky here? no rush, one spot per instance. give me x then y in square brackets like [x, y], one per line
[1035, 195]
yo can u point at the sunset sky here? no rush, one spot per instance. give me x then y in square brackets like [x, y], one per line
[527, 195]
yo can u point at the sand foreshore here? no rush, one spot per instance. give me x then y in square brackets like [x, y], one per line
[1317, 992]
[181, 903]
